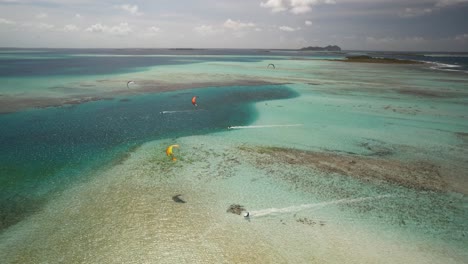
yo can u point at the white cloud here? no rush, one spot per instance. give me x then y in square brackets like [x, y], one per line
[379, 40]
[444, 3]
[275, 5]
[288, 29]
[121, 29]
[412, 12]
[416, 43]
[132, 9]
[237, 25]
[395, 41]
[462, 37]
[301, 6]
[238, 28]
[435, 6]
[38, 26]
[96, 28]
[78, 16]
[41, 15]
[70, 28]
[205, 30]
[308, 23]
[294, 6]
[154, 29]
[45, 26]
[6, 21]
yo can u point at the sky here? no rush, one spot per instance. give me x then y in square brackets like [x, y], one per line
[390, 25]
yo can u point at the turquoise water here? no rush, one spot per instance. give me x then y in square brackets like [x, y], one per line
[337, 162]
[46, 148]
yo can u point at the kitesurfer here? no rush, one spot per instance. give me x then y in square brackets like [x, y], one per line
[169, 151]
[194, 100]
[128, 83]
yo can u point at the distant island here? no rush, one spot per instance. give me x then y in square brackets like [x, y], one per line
[369, 59]
[327, 48]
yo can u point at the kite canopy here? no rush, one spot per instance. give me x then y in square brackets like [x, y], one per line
[128, 83]
[194, 100]
[271, 64]
[169, 151]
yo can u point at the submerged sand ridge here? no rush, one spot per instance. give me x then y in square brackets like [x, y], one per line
[126, 212]
[14, 103]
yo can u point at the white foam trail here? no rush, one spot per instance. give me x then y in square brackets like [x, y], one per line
[297, 208]
[264, 126]
[180, 111]
[444, 66]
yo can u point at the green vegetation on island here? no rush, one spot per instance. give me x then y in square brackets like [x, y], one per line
[327, 48]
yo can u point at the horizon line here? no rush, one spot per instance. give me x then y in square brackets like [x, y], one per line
[211, 48]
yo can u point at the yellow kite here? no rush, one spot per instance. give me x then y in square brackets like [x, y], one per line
[169, 151]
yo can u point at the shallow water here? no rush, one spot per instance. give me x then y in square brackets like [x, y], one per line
[336, 162]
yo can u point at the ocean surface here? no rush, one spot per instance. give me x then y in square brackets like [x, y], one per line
[335, 162]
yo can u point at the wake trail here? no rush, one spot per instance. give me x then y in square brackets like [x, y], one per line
[297, 208]
[264, 126]
[181, 111]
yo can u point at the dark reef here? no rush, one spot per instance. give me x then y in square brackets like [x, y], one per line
[369, 59]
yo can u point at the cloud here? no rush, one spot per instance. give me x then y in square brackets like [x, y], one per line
[121, 29]
[379, 40]
[413, 12]
[45, 26]
[288, 29]
[96, 28]
[205, 30]
[462, 37]
[275, 5]
[70, 28]
[416, 43]
[237, 25]
[294, 6]
[395, 41]
[435, 6]
[78, 16]
[308, 23]
[132, 9]
[6, 21]
[41, 15]
[154, 29]
[445, 3]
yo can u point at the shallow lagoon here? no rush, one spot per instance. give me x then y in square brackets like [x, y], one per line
[373, 170]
